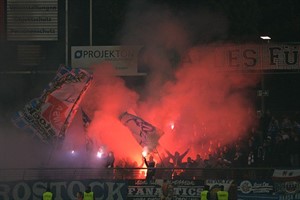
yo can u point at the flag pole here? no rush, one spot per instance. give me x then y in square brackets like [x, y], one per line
[163, 165]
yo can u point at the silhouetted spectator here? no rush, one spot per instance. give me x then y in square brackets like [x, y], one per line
[199, 162]
[110, 160]
[294, 150]
[150, 168]
[177, 158]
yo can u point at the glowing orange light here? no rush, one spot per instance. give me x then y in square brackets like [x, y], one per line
[99, 154]
[172, 125]
[144, 153]
[142, 173]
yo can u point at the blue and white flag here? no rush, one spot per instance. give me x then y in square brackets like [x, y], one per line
[145, 133]
[89, 144]
[85, 119]
[49, 115]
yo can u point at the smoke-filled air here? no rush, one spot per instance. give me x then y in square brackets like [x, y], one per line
[196, 106]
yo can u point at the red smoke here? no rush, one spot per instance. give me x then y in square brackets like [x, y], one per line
[107, 98]
[206, 106]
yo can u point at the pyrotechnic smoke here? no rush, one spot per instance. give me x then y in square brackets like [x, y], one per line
[107, 98]
[196, 106]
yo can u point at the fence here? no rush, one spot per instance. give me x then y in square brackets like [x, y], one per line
[135, 173]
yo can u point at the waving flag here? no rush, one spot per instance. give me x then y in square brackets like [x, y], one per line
[50, 115]
[145, 133]
[86, 122]
[86, 119]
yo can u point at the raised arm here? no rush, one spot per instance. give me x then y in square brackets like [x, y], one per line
[169, 154]
[145, 160]
[184, 154]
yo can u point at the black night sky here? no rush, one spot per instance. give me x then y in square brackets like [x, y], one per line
[244, 22]
[232, 21]
[246, 19]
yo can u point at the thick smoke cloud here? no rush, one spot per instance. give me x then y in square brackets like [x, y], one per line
[207, 108]
[107, 98]
[182, 89]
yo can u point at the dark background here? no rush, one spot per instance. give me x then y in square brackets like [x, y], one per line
[247, 20]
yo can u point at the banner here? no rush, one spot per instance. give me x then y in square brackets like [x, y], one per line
[286, 174]
[281, 190]
[89, 144]
[287, 184]
[164, 189]
[145, 134]
[248, 57]
[50, 115]
[215, 186]
[124, 59]
[31, 190]
[104, 189]
[252, 190]
[32, 20]
[287, 190]
[85, 119]
[142, 190]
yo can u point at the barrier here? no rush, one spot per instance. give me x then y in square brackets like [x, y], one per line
[169, 183]
[135, 173]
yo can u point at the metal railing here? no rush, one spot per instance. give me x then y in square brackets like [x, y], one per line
[134, 173]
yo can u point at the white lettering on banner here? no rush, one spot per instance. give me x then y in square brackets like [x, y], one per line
[286, 173]
[25, 191]
[289, 197]
[95, 184]
[32, 20]
[131, 190]
[114, 191]
[277, 52]
[187, 191]
[219, 181]
[108, 54]
[262, 187]
[250, 57]
[183, 182]
[38, 189]
[58, 186]
[140, 191]
[246, 187]
[72, 185]
[124, 59]
[235, 58]
[44, 128]
[140, 182]
[4, 191]
[61, 190]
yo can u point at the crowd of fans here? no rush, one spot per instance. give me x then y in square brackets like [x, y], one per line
[273, 143]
